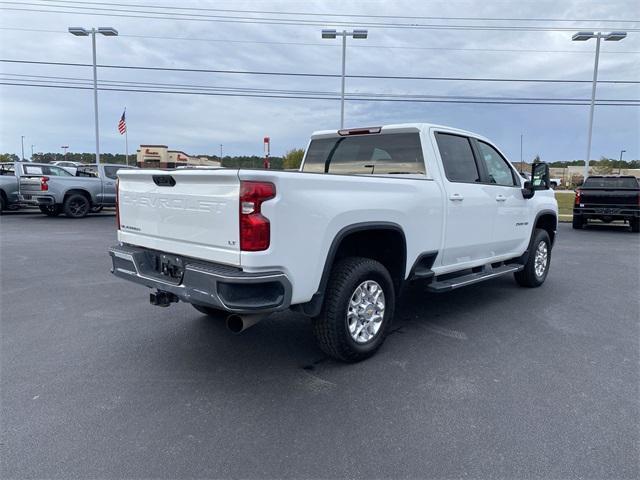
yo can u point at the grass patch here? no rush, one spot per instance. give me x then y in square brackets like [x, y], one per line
[565, 202]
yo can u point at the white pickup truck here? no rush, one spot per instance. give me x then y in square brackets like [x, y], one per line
[370, 210]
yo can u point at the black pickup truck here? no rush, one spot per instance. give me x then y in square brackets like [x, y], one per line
[608, 198]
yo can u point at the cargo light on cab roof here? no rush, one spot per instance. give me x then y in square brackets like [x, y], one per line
[359, 131]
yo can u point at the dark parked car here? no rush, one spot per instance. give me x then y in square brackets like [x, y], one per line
[608, 199]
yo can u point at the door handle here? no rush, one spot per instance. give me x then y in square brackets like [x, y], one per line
[456, 197]
[500, 198]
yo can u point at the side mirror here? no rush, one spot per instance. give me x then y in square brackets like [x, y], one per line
[540, 176]
[527, 189]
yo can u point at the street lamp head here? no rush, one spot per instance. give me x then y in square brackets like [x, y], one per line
[108, 31]
[360, 34]
[329, 34]
[78, 31]
[582, 36]
[615, 36]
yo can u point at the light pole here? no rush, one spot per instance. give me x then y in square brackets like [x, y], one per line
[83, 32]
[64, 150]
[620, 167]
[220, 152]
[22, 145]
[356, 34]
[582, 37]
[521, 151]
[32, 152]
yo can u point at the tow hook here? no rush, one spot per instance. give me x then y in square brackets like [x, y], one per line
[162, 299]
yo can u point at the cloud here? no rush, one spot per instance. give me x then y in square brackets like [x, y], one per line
[198, 124]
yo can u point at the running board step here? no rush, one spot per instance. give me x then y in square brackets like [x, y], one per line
[464, 280]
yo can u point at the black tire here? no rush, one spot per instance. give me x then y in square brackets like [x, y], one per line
[51, 210]
[527, 277]
[577, 222]
[212, 312]
[76, 205]
[634, 223]
[331, 328]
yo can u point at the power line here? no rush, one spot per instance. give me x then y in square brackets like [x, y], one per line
[88, 81]
[267, 12]
[310, 97]
[320, 75]
[331, 45]
[281, 21]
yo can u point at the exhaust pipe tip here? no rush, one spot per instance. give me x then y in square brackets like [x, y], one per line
[239, 323]
[235, 323]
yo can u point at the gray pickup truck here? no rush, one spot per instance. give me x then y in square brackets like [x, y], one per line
[55, 190]
[8, 187]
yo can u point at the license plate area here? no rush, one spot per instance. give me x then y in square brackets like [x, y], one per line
[164, 266]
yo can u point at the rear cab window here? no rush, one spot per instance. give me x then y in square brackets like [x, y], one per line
[623, 183]
[112, 172]
[372, 154]
[50, 170]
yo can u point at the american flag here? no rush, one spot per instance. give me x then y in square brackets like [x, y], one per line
[122, 124]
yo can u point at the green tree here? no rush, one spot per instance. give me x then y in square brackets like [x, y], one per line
[9, 157]
[293, 158]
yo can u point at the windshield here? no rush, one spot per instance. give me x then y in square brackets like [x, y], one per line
[611, 182]
[390, 153]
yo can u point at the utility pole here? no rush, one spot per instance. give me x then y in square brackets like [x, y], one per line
[520, 152]
[32, 152]
[22, 144]
[220, 152]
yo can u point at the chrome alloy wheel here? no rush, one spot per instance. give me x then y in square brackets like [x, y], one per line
[541, 259]
[365, 311]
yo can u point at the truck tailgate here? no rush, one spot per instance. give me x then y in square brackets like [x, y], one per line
[190, 212]
[608, 196]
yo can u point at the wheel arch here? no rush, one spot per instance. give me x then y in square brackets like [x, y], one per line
[547, 220]
[386, 243]
[80, 191]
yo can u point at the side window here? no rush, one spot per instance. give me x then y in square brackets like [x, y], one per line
[457, 158]
[32, 170]
[497, 168]
[111, 172]
[56, 171]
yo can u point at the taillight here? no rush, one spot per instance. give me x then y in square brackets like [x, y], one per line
[118, 203]
[255, 230]
[44, 185]
[578, 197]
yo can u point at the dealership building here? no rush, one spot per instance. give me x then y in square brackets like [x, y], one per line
[159, 156]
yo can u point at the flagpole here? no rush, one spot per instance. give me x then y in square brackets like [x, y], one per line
[126, 138]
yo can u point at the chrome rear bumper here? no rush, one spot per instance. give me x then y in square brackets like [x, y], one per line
[203, 283]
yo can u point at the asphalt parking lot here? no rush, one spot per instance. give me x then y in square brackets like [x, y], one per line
[491, 381]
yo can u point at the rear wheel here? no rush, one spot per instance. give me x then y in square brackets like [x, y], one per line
[357, 311]
[76, 205]
[536, 269]
[634, 223]
[51, 210]
[577, 222]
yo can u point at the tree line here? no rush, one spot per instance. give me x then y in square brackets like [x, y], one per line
[290, 160]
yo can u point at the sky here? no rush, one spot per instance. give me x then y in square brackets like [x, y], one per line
[36, 30]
